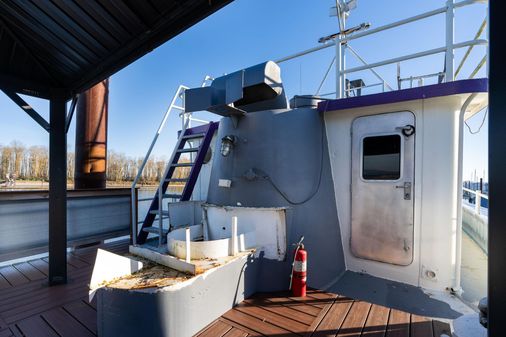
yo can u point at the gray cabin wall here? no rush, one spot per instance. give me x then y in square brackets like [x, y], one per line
[287, 146]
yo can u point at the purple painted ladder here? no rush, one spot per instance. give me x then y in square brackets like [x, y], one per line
[205, 134]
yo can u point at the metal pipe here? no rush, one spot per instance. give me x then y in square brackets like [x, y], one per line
[470, 48]
[91, 137]
[372, 70]
[379, 29]
[479, 66]
[339, 89]
[450, 39]
[325, 76]
[188, 243]
[458, 215]
[416, 55]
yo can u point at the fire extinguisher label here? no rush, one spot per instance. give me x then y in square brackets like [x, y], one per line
[300, 266]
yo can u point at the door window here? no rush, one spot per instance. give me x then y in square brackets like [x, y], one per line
[381, 157]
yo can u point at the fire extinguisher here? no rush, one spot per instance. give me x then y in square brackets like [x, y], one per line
[299, 267]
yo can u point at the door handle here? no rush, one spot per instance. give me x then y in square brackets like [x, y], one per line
[407, 190]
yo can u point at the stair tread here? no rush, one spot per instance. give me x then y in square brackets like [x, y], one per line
[155, 211]
[155, 230]
[195, 135]
[182, 164]
[176, 180]
[171, 195]
[189, 149]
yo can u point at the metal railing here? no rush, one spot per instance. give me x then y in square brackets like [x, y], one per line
[474, 221]
[341, 43]
[477, 199]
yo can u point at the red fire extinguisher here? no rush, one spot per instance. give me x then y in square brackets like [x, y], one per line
[299, 268]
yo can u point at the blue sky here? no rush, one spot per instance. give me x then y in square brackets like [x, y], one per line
[248, 32]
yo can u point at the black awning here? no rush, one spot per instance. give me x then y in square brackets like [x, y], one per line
[66, 46]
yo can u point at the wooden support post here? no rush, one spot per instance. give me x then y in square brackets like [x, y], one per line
[57, 193]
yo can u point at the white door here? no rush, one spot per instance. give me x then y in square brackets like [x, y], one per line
[383, 155]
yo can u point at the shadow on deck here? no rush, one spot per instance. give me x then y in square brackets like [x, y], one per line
[319, 314]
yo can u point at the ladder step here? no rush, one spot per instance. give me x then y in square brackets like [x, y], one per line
[190, 149]
[194, 136]
[173, 196]
[176, 180]
[155, 230]
[156, 212]
[182, 165]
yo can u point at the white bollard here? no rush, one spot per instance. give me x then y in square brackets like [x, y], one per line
[234, 236]
[188, 257]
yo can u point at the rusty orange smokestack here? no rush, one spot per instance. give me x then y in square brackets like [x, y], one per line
[91, 137]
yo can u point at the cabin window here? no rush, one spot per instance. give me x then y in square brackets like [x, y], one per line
[381, 157]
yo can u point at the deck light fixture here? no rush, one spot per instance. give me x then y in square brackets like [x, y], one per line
[227, 144]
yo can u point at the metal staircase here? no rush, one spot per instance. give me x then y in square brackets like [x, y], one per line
[192, 141]
[185, 145]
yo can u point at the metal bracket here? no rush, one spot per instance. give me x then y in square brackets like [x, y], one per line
[28, 109]
[70, 114]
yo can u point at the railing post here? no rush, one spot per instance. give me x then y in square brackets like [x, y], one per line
[450, 38]
[339, 89]
[477, 206]
[344, 87]
[134, 207]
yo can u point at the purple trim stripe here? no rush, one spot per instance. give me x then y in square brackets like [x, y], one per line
[429, 91]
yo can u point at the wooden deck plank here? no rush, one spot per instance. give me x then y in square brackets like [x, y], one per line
[64, 324]
[41, 265]
[355, 320]
[234, 332]
[334, 318]
[13, 276]
[398, 324]
[217, 329]
[376, 324]
[299, 305]
[3, 325]
[84, 314]
[4, 284]
[76, 261]
[29, 271]
[26, 304]
[6, 333]
[35, 326]
[282, 310]
[273, 318]
[440, 328]
[255, 324]
[250, 332]
[420, 326]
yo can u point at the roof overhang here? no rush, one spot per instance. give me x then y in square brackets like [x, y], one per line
[60, 48]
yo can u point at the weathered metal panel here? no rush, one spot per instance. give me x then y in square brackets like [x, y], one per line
[382, 208]
[24, 221]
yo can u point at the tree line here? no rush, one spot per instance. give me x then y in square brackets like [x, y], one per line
[32, 163]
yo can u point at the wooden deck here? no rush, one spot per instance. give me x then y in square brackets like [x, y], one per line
[319, 314]
[29, 308]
